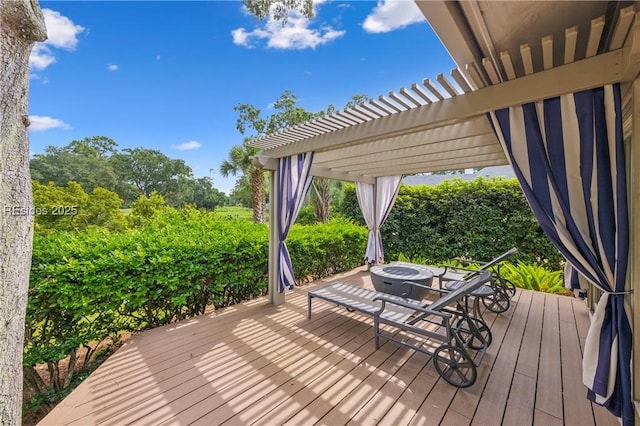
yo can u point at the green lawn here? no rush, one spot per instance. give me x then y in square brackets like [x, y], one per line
[235, 212]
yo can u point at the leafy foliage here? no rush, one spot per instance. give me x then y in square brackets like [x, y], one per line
[150, 170]
[534, 277]
[62, 165]
[145, 209]
[279, 10]
[240, 161]
[475, 219]
[95, 162]
[251, 124]
[321, 198]
[88, 286]
[69, 208]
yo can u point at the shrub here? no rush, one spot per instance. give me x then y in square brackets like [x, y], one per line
[88, 286]
[476, 219]
[69, 208]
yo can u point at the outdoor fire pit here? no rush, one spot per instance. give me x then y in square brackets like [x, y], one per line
[389, 278]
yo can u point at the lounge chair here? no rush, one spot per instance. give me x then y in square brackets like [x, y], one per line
[418, 324]
[503, 289]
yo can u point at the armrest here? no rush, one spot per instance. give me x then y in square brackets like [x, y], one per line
[436, 290]
[464, 260]
[467, 273]
[423, 309]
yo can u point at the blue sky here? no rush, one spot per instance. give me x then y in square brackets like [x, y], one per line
[166, 75]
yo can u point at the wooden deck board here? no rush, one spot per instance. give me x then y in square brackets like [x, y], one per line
[384, 399]
[577, 409]
[265, 377]
[318, 382]
[495, 401]
[521, 402]
[549, 384]
[581, 315]
[466, 400]
[259, 364]
[410, 400]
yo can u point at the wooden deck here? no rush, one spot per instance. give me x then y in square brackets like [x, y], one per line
[259, 364]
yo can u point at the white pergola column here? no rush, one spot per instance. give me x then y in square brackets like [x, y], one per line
[633, 150]
[275, 297]
[376, 224]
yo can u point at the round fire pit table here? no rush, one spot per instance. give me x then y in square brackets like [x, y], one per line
[389, 278]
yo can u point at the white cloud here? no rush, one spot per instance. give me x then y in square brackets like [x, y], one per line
[295, 33]
[390, 15]
[62, 33]
[41, 57]
[38, 77]
[187, 146]
[240, 36]
[41, 123]
[112, 67]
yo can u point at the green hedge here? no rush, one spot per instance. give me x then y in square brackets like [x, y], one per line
[86, 286]
[476, 219]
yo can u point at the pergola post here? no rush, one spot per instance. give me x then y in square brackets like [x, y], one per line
[275, 297]
[376, 224]
[633, 150]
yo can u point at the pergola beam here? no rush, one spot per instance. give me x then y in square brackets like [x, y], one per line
[456, 131]
[418, 165]
[426, 161]
[271, 164]
[391, 152]
[581, 75]
[449, 166]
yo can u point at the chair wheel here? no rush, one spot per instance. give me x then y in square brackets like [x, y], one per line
[474, 332]
[498, 303]
[455, 366]
[509, 288]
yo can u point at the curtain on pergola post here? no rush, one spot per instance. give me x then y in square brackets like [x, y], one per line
[376, 202]
[294, 180]
[568, 155]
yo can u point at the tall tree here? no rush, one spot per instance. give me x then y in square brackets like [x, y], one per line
[322, 194]
[149, 170]
[279, 9]
[321, 198]
[240, 194]
[21, 25]
[80, 164]
[239, 162]
[252, 125]
[205, 195]
[95, 146]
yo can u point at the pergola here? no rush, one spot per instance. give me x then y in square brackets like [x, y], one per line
[508, 54]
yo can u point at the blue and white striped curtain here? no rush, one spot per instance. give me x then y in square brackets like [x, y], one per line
[568, 155]
[294, 181]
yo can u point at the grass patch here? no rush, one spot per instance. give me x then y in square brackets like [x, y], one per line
[235, 212]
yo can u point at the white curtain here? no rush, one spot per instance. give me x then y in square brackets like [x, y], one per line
[376, 202]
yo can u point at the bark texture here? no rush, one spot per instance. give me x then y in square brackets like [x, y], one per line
[321, 199]
[21, 25]
[256, 180]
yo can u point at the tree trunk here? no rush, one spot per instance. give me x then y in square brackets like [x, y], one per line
[321, 199]
[257, 195]
[21, 25]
